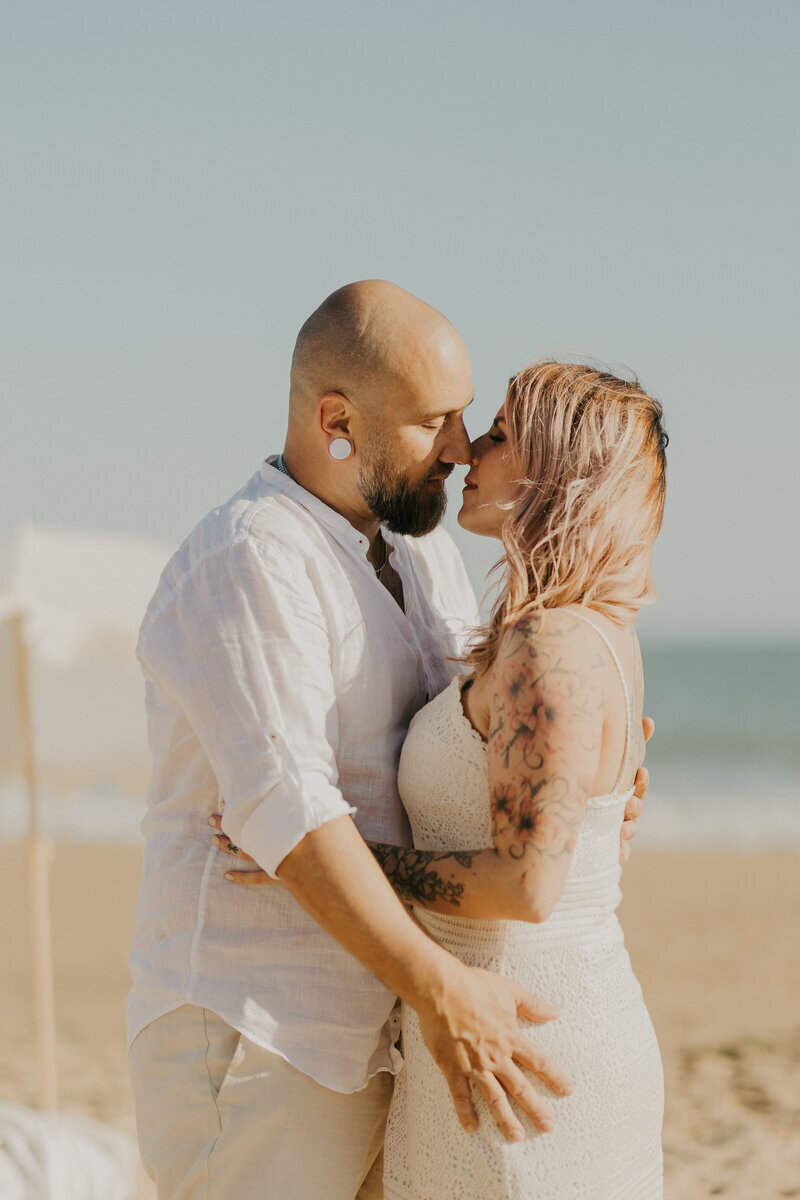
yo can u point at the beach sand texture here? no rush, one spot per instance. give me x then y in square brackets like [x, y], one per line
[713, 939]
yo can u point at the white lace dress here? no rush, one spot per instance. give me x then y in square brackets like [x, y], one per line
[606, 1144]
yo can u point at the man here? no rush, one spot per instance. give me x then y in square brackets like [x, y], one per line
[290, 641]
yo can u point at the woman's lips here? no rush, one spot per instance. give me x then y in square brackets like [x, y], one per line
[469, 486]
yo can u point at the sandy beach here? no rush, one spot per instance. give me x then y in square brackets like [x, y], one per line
[713, 939]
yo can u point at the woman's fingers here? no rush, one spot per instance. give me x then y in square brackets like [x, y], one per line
[246, 878]
[648, 727]
[250, 878]
[225, 843]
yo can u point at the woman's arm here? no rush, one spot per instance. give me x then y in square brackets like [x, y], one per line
[547, 707]
[546, 710]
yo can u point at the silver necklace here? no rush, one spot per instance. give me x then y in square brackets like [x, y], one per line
[379, 569]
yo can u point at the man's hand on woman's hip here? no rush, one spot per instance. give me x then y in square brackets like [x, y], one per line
[472, 1030]
[470, 1022]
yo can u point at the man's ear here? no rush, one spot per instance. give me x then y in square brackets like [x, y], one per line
[334, 413]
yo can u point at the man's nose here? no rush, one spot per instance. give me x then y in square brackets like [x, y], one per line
[457, 448]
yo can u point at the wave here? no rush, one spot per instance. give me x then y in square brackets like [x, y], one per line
[756, 817]
[751, 819]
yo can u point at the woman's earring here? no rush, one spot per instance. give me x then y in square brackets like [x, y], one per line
[340, 449]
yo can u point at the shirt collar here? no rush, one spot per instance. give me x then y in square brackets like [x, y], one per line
[331, 520]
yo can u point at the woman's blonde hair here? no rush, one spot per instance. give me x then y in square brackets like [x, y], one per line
[591, 450]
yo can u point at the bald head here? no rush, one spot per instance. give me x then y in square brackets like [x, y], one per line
[386, 378]
[368, 340]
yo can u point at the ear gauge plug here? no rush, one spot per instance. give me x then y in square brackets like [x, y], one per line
[340, 449]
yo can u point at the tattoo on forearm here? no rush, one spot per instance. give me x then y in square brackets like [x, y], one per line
[416, 875]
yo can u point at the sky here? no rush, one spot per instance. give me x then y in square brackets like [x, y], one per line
[183, 182]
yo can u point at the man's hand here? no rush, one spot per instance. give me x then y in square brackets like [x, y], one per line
[474, 1035]
[469, 1020]
[635, 806]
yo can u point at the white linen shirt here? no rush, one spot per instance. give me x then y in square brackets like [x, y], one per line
[280, 679]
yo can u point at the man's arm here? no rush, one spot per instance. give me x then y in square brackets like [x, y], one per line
[468, 1017]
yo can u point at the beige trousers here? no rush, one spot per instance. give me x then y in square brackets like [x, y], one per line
[221, 1119]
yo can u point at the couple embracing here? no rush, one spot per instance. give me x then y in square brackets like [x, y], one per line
[432, 812]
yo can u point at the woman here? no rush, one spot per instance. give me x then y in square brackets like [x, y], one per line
[534, 753]
[515, 780]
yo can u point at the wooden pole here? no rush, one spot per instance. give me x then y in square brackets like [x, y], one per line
[40, 855]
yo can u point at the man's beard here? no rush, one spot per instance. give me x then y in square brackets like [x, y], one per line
[401, 506]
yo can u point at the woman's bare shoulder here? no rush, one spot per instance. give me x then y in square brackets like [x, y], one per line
[556, 639]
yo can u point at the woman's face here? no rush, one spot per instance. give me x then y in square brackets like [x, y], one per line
[492, 481]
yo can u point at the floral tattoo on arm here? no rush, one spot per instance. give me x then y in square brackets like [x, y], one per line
[417, 875]
[544, 739]
[543, 746]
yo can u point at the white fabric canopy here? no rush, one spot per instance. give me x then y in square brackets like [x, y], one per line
[59, 1156]
[71, 713]
[82, 596]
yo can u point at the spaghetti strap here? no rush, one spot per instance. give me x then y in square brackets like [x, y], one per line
[624, 682]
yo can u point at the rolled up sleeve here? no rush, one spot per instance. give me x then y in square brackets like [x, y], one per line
[244, 649]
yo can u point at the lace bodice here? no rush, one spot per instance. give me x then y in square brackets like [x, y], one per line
[442, 747]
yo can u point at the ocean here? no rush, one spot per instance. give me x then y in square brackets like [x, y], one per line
[724, 761]
[725, 758]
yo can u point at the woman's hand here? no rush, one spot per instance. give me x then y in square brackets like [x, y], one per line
[635, 806]
[249, 877]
